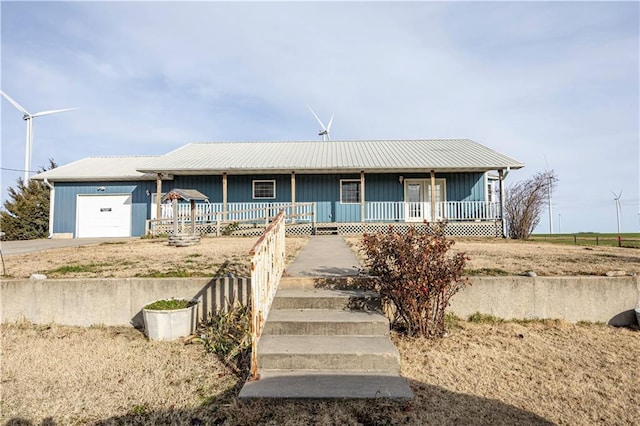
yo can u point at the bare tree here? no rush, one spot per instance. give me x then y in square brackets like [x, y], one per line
[525, 201]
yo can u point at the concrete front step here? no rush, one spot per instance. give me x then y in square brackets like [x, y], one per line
[314, 322]
[349, 282]
[317, 298]
[326, 385]
[362, 353]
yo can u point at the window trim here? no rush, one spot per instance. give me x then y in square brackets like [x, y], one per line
[253, 188]
[359, 190]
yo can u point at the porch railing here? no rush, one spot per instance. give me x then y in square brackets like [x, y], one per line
[240, 212]
[208, 214]
[212, 214]
[267, 266]
[401, 211]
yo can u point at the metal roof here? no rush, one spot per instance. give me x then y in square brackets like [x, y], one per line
[100, 168]
[323, 156]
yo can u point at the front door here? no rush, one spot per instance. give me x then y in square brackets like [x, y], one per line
[415, 201]
[418, 199]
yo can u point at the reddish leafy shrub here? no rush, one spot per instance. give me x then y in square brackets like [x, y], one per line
[416, 276]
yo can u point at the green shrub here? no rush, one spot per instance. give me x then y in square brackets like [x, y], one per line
[479, 318]
[416, 276]
[228, 335]
[169, 304]
[230, 228]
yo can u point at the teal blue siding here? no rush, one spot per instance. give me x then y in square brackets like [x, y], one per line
[347, 212]
[64, 215]
[211, 186]
[325, 191]
[383, 187]
[460, 186]
[464, 186]
[240, 188]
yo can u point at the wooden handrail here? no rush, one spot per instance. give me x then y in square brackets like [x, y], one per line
[267, 266]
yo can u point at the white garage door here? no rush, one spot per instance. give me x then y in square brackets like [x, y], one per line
[103, 216]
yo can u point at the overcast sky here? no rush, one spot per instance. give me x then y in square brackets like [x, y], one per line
[530, 80]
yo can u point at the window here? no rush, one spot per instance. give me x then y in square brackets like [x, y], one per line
[349, 191]
[264, 189]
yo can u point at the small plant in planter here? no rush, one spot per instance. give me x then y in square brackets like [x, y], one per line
[169, 319]
[169, 304]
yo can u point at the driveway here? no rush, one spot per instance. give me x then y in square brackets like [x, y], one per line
[30, 246]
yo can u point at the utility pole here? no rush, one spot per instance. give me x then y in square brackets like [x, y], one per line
[549, 202]
[549, 187]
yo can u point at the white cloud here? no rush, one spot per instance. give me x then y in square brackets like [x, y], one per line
[526, 79]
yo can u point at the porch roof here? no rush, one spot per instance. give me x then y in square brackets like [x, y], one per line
[327, 156]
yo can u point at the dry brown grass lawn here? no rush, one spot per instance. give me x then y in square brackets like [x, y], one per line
[144, 257]
[487, 373]
[217, 256]
[514, 257]
[508, 373]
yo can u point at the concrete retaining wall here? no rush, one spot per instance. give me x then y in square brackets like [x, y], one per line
[611, 300]
[110, 301]
[114, 301]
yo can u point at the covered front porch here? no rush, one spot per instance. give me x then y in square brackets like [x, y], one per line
[472, 218]
[375, 211]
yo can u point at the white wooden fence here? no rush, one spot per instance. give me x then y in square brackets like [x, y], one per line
[267, 266]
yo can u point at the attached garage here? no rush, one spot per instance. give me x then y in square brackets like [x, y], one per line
[104, 215]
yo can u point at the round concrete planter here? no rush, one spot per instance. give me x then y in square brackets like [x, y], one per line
[170, 324]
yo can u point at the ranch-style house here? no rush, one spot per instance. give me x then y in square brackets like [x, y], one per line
[324, 186]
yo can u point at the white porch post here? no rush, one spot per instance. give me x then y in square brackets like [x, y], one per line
[433, 195]
[159, 196]
[175, 215]
[293, 197]
[224, 196]
[362, 201]
[504, 224]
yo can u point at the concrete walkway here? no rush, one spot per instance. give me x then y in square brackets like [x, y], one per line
[324, 343]
[324, 256]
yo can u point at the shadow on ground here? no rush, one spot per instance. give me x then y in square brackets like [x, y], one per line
[431, 405]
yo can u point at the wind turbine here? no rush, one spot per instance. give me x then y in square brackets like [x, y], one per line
[325, 130]
[29, 119]
[616, 198]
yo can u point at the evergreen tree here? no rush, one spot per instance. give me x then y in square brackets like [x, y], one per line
[26, 213]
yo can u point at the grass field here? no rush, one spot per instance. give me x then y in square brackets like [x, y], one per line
[630, 240]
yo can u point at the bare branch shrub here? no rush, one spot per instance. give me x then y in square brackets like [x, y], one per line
[416, 275]
[524, 202]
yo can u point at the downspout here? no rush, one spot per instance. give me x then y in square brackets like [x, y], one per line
[52, 198]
